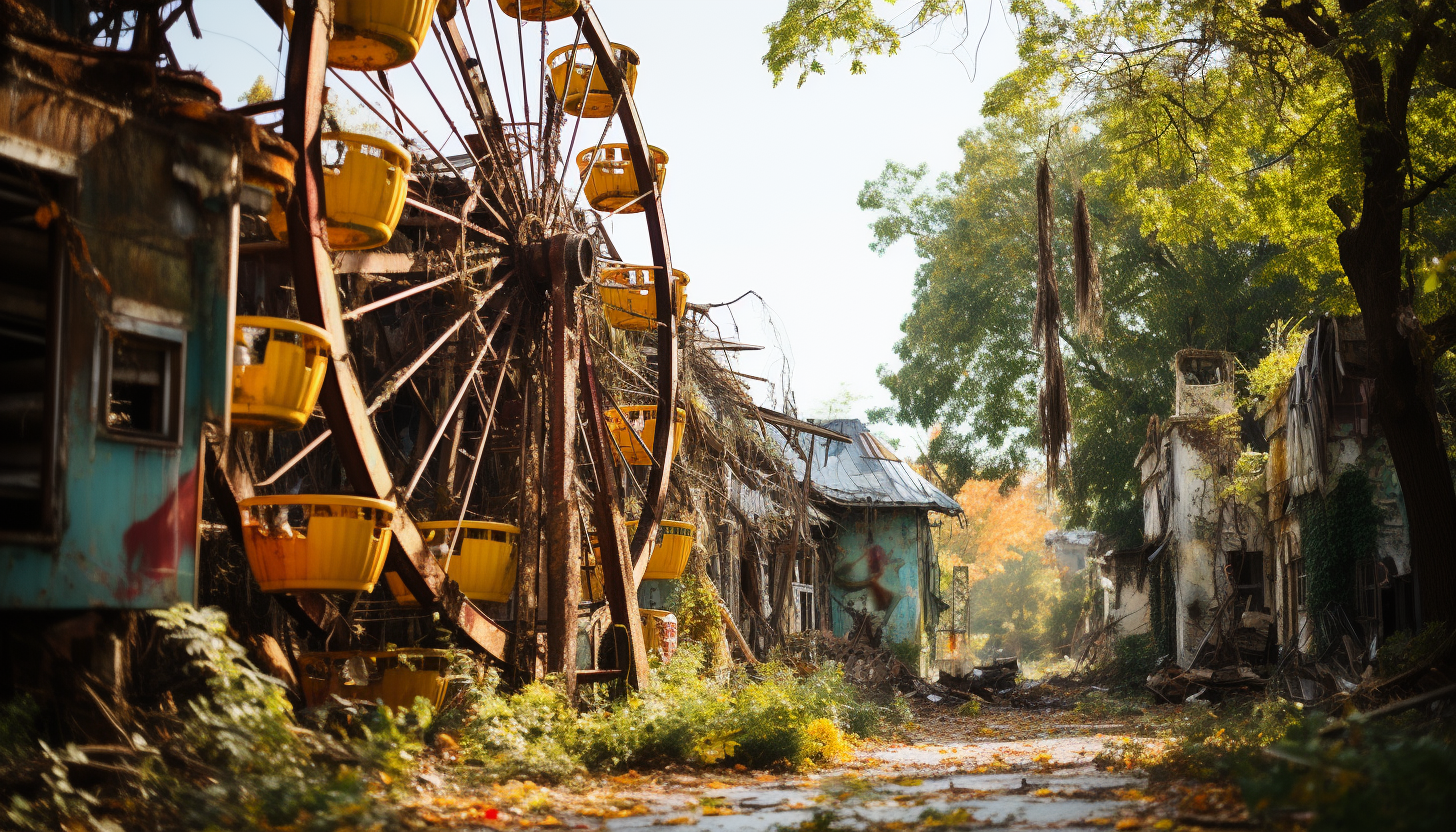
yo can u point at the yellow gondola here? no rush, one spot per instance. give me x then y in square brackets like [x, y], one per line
[278, 369]
[611, 181]
[622, 425]
[364, 193]
[316, 542]
[580, 88]
[630, 301]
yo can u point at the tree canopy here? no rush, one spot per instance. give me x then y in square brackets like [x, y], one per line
[1317, 131]
[968, 365]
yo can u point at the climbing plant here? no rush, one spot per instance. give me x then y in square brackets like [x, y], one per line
[1337, 531]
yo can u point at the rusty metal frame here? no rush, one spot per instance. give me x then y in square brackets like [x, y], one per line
[667, 357]
[318, 303]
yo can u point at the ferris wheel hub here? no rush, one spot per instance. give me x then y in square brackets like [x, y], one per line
[568, 252]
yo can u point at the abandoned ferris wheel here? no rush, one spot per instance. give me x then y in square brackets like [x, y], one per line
[444, 311]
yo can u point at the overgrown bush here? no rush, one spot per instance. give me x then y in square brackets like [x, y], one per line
[235, 758]
[1376, 777]
[764, 717]
[1403, 650]
[1132, 659]
[1228, 741]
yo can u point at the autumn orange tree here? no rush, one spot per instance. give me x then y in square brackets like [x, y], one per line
[1014, 585]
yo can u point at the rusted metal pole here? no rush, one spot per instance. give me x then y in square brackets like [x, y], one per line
[529, 544]
[615, 560]
[563, 537]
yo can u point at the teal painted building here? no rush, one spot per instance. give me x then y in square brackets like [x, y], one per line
[119, 254]
[885, 578]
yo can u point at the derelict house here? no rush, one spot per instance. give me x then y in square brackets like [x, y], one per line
[883, 577]
[1230, 538]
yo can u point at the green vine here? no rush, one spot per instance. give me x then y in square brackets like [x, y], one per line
[1336, 532]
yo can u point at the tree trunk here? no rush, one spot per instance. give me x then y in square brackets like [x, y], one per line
[1404, 407]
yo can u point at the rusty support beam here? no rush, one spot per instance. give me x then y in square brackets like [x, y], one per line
[318, 303]
[563, 535]
[617, 579]
[667, 356]
[529, 544]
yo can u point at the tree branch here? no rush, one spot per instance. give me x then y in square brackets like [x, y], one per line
[1442, 333]
[1337, 204]
[1419, 195]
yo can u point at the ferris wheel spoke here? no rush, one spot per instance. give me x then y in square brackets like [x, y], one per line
[586, 173]
[483, 112]
[354, 314]
[545, 115]
[391, 385]
[486, 425]
[449, 414]
[525, 94]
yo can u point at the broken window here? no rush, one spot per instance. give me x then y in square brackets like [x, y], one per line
[1203, 371]
[1245, 571]
[30, 303]
[142, 397]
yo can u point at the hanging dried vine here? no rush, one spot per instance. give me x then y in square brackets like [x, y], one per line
[1084, 267]
[1053, 410]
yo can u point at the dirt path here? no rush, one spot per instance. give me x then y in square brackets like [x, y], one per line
[1021, 770]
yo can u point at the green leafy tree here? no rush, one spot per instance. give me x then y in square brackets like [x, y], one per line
[261, 92]
[1322, 127]
[967, 361]
[811, 28]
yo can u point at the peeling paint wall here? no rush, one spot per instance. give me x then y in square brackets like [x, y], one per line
[885, 569]
[156, 207]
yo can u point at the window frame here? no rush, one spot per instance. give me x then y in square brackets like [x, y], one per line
[174, 391]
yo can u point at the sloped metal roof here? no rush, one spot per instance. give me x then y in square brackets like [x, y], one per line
[866, 472]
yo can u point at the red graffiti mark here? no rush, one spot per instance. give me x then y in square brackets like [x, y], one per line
[876, 560]
[154, 545]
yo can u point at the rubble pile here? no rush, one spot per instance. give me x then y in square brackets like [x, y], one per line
[985, 682]
[874, 670]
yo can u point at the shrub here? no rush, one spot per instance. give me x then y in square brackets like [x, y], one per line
[1133, 658]
[1376, 777]
[238, 759]
[1228, 741]
[1404, 650]
[763, 717]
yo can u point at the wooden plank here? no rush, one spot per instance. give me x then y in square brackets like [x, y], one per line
[379, 262]
[773, 417]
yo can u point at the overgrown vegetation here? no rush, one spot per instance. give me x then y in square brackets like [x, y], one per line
[1337, 531]
[1269, 377]
[1292, 763]
[765, 717]
[234, 757]
[1132, 659]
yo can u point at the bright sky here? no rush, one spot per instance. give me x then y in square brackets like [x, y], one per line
[762, 181]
